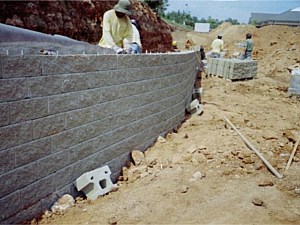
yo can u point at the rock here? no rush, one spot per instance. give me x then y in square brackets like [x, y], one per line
[257, 202]
[47, 214]
[269, 135]
[248, 160]
[265, 183]
[184, 188]
[160, 139]
[209, 157]
[138, 157]
[234, 152]
[197, 175]
[192, 148]
[201, 147]
[176, 159]
[297, 191]
[134, 173]
[290, 135]
[200, 157]
[112, 221]
[258, 165]
[63, 204]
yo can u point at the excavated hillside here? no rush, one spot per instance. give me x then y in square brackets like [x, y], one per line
[203, 173]
[81, 20]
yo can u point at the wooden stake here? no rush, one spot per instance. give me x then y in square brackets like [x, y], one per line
[270, 167]
[293, 153]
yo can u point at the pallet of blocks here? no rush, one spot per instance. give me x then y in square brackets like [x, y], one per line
[233, 69]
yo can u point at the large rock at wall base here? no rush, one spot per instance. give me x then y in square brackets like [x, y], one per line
[294, 88]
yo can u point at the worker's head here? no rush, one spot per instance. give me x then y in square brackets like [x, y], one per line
[220, 36]
[248, 36]
[174, 43]
[122, 8]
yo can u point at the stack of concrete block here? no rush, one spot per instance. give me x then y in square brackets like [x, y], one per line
[294, 88]
[232, 69]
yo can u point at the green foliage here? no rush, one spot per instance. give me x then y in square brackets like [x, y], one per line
[186, 19]
[158, 6]
[232, 21]
[182, 18]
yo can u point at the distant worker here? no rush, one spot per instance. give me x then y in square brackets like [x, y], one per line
[248, 47]
[217, 47]
[202, 53]
[117, 28]
[136, 45]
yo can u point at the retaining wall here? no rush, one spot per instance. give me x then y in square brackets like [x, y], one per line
[62, 116]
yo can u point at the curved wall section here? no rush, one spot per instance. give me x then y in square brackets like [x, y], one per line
[62, 116]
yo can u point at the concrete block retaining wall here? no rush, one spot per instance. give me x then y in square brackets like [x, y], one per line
[62, 116]
[232, 69]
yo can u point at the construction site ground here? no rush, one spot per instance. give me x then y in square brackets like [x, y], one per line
[203, 172]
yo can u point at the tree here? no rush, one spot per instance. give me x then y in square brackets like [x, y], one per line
[158, 6]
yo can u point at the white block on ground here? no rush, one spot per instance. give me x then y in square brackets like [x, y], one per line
[95, 183]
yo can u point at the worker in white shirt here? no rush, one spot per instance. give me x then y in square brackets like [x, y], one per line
[117, 28]
[217, 47]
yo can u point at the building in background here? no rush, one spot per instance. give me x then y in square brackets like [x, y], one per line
[289, 18]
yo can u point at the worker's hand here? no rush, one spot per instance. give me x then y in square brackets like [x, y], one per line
[118, 50]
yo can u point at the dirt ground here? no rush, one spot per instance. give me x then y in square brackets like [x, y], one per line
[203, 173]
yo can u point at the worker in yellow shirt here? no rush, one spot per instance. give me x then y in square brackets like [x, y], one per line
[117, 28]
[217, 46]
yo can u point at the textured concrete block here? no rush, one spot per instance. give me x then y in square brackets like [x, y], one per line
[14, 135]
[90, 97]
[95, 183]
[76, 82]
[101, 111]
[7, 160]
[79, 117]
[81, 151]
[49, 125]
[51, 164]
[10, 205]
[24, 110]
[78, 64]
[66, 139]
[42, 188]
[27, 153]
[44, 86]
[106, 78]
[63, 103]
[17, 179]
[28, 66]
[69, 174]
[294, 88]
[13, 89]
[4, 112]
[1, 67]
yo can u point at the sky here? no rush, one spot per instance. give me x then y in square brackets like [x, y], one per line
[234, 9]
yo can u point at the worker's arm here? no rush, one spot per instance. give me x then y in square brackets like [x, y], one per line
[106, 31]
[127, 40]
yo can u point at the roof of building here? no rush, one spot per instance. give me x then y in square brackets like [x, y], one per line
[291, 16]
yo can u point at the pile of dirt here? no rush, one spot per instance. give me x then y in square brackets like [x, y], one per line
[203, 173]
[81, 20]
